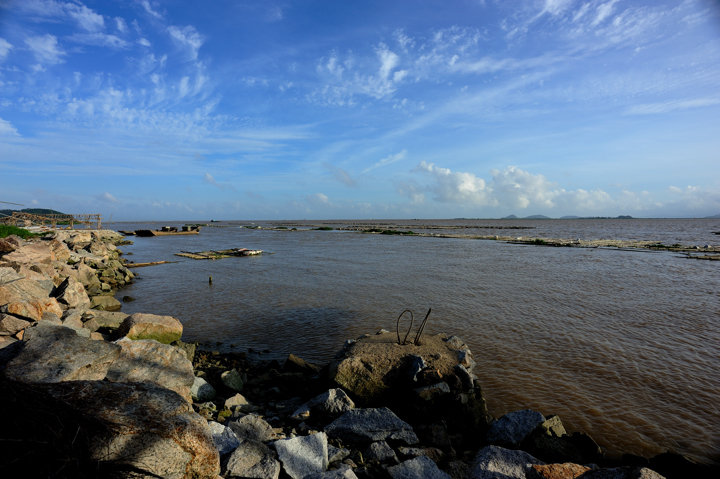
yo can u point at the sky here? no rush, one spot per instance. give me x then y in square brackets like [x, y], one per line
[178, 109]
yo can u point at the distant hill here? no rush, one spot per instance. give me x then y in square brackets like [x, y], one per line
[714, 217]
[543, 217]
[533, 217]
[32, 211]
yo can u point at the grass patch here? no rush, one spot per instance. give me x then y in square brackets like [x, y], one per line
[324, 228]
[7, 230]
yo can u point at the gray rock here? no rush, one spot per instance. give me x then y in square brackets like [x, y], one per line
[254, 428]
[201, 390]
[433, 391]
[421, 467]
[380, 451]
[303, 455]
[149, 361]
[232, 379]
[328, 405]
[494, 462]
[27, 299]
[513, 427]
[342, 472]
[105, 303]
[8, 275]
[252, 460]
[10, 325]
[55, 353]
[72, 319]
[71, 293]
[373, 424]
[224, 438]
[336, 454]
[238, 401]
[105, 319]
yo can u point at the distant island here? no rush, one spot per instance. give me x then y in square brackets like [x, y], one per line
[32, 211]
[543, 217]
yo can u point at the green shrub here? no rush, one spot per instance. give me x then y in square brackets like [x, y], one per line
[7, 230]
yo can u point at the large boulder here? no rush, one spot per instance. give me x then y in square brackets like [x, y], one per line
[53, 353]
[31, 253]
[253, 428]
[8, 275]
[368, 425]
[108, 303]
[152, 362]
[10, 325]
[419, 467]
[124, 430]
[328, 405]
[164, 329]
[27, 299]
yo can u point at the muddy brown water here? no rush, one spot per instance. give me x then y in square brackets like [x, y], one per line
[623, 345]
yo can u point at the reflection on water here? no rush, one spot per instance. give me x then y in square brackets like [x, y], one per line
[623, 345]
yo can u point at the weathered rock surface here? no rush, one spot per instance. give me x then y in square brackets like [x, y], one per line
[253, 427]
[368, 425]
[328, 405]
[8, 275]
[224, 438]
[108, 303]
[494, 462]
[105, 319]
[53, 353]
[303, 455]
[202, 390]
[152, 362]
[420, 467]
[623, 473]
[10, 325]
[238, 400]
[252, 460]
[380, 451]
[72, 293]
[512, 428]
[31, 253]
[232, 379]
[343, 472]
[566, 470]
[164, 329]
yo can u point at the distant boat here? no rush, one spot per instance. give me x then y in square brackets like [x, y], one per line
[170, 231]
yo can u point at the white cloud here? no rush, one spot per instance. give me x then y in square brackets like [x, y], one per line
[452, 187]
[144, 42]
[209, 179]
[85, 17]
[7, 129]
[672, 105]
[108, 197]
[121, 25]
[45, 48]
[99, 39]
[149, 9]
[5, 48]
[388, 160]
[187, 37]
[603, 11]
[341, 175]
[318, 199]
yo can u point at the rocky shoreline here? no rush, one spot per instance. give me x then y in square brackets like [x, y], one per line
[88, 391]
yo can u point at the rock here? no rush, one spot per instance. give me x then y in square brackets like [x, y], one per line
[9, 244]
[337, 454]
[494, 462]
[432, 452]
[237, 400]
[8, 275]
[380, 451]
[71, 293]
[10, 325]
[27, 299]
[566, 470]
[512, 428]
[328, 405]
[577, 447]
[627, 472]
[138, 428]
[72, 318]
[374, 424]
[295, 364]
[31, 253]
[232, 379]
[105, 319]
[106, 303]
[303, 455]
[54, 353]
[224, 438]
[253, 427]
[164, 329]
[420, 467]
[343, 472]
[201, 390]
[187, 348]
[88, 277]
[552, 426]
[60, 250]
[253, 460]
[149, 361]
[428, 393]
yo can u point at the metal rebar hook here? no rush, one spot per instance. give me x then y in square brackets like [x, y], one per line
[397, 327]
[422, 327]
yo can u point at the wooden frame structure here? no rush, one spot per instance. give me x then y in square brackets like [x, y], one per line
[53, 219]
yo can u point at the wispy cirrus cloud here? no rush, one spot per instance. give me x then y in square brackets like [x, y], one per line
[46, 49]
[388, 160]
[188, 38]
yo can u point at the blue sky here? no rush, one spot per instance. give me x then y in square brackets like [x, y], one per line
[225, 109]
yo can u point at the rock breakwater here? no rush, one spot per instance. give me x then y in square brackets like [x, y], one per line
[88, 391]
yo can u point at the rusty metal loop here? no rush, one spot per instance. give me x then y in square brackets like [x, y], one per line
[397, 327]
[422, 327]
